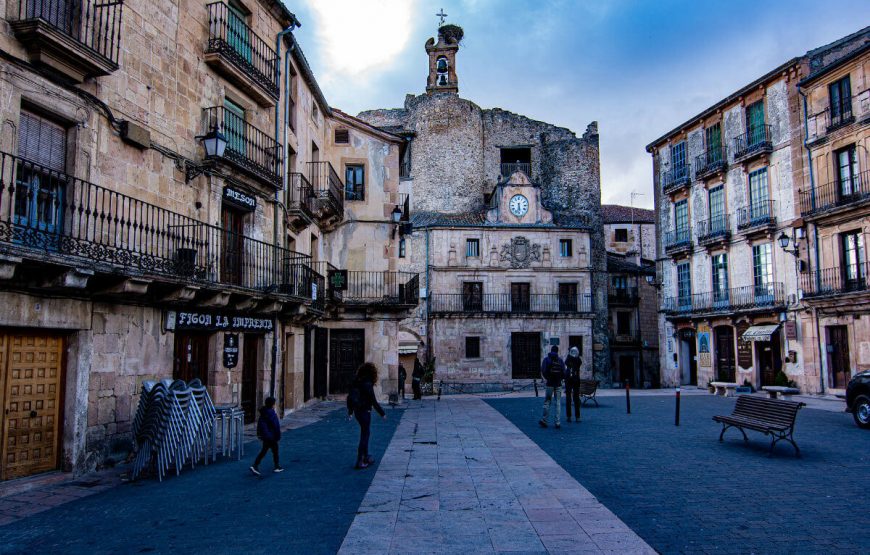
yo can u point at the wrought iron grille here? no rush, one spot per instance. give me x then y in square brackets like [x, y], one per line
[755, 140]
[676, 178]
[712, 160]
[247, 147]
[841, 192]
[327, 187]
[300, 194]
[737, 298]
[716, 227]
[678, 238]
[382, 288]
[757, 214]
[837, 281]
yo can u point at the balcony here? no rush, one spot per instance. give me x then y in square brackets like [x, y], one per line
[505, 304]
[841, 119]
[715, 231]
[507, 170]
[381, 289]
[240, 55]
[325, 269]
[678, 241]
[623, 296]
[830, 197]
[79, 38]
[329, 192]
[55, 221]
[757, 218]
[836, 281]
[712, 163]
[676, 179]
[754, 143]
[248, 149]
[300, 201]
[630, 339]
[768, 297]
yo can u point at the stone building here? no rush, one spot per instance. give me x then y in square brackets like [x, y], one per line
[727, 189]
[507, 234]
[151, 225]
[632, 299]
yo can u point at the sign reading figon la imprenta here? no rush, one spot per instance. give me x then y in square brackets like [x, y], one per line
[215, 321]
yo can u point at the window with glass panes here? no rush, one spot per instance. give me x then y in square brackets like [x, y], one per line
[678, 156]
[720, 276]
[716, 199]
[234, 127]
[847, 171]
[402, 247]
[713, 140]
[568, 297]
[472, 248]
[854, 260]
[841, 100]
[354, 182]
[762, 268]
[623, 323]
[755, 122]
[565, 247]
[472, 295]
[684, 283]
[759, 194]
[40, 189]
[681, 218]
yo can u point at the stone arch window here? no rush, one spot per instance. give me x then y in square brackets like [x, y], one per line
[441, 67]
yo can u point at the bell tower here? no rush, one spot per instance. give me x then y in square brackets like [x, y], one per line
[442, 58]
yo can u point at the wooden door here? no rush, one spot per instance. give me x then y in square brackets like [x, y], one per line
[346, 353]
[31, 368]
[250, 373]
[838, 355]
[525, 355]
[232, 247]
[191, 357]
[725, 367]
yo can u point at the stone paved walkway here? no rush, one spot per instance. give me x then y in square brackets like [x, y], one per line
[458, 477]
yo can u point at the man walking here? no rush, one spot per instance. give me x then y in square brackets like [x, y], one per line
[573, 364]
[553, 372]
[403, 375]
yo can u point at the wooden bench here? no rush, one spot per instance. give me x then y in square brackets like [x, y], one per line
[780, 392]
[588, 388]
[772, 417]
[725, 389]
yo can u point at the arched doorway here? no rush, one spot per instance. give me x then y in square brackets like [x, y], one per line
[725, 363]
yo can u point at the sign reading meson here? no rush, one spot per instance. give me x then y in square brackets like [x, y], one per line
[215, 322]
[240, 199]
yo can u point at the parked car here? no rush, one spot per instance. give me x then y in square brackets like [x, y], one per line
[858, 398]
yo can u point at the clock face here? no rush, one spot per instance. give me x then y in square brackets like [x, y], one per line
[519, 205]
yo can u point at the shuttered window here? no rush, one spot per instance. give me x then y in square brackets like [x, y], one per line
[42, 141]
[342, 136]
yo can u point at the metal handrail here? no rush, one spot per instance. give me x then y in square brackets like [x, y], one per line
[837, 280]
[756, 139]
[327, 187]
[761, 213]
[247, 146]
[737, 298]
[836, 193]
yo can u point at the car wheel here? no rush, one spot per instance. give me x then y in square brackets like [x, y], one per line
[861, 412]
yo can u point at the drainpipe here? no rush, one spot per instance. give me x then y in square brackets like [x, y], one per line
[820, 345]
[275, 236]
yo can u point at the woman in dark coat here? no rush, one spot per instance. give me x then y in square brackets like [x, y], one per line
[361, 401]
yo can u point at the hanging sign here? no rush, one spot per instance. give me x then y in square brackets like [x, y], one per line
[744, 347]
[240, 199]
[337, 280]
[231, 350]
[790, 327]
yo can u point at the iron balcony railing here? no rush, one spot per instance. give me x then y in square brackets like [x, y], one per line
[382, 288]
[630, 338]
[678, 238]
[300, 195]
[325, 269]
[711, 161]
[756, 140]
[623, 295]
[93, 24]
[713, 229]
[843, 117]
[230, 36]
[508, 169]
[676, 178]
[757, 214]
[837, 281]
[70, 221]
[327, 187]
[842, 192]
[726, 300]
[507, 303]
[247, 147]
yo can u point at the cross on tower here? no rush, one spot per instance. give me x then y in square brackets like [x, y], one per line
[441, 15]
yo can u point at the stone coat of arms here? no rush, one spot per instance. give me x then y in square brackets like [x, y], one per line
[519, 253]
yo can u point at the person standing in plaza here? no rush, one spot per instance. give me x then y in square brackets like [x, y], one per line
[269, 432]
[553, 372]
[573, 363]
[360, 402]
[417, 378]
[403, 375]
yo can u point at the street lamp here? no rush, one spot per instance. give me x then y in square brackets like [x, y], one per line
[215, 144]
[396, 214]
[784, 241]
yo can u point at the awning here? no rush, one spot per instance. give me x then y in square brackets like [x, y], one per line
[760, 333]
[408, 344]
[408, 349]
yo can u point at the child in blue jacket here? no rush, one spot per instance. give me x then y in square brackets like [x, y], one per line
[269, 432]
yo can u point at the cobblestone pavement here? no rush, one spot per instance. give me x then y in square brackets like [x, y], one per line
[683, 491]
[221, 508]
[459, 478]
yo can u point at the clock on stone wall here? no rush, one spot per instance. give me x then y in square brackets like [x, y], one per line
[519, 205]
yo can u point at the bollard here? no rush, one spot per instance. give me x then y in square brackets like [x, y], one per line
[440, 385]
[627, 398]
[535, 381]
[677, 415]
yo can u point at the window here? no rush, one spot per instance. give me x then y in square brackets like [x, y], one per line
[720, 278]
[759, 195]
[342, 136]
[40, 190]
[623, 323]
[576, 341]
[619, 282]
[755, 123]
[472, 248]
[354, 182]
[232, 245]
[315, 152]
[516, 159]
[621, 235]
[716, 200]
[290, 116]
[762, 271]
[854, 260]
[681, 218]
[472, 295]
[568, 297]
[684, 285]
[678, 156]
[841, 101]
[521, 298]
[234, 127]
[565, 249]
[238, 32]
[713, 140]
[472, 347]
[847, 172]
[315, 112]
[401, 247]
[405, 159]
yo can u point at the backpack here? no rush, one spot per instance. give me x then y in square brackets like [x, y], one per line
[354, 398]
[555, 370]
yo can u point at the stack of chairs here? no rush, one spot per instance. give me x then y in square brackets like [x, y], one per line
[172, 427]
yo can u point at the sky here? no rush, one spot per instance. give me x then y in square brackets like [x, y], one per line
[639, 68]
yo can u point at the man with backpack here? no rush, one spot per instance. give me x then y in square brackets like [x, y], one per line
[553, 373]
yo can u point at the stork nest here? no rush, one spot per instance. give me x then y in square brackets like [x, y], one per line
[451, 33]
